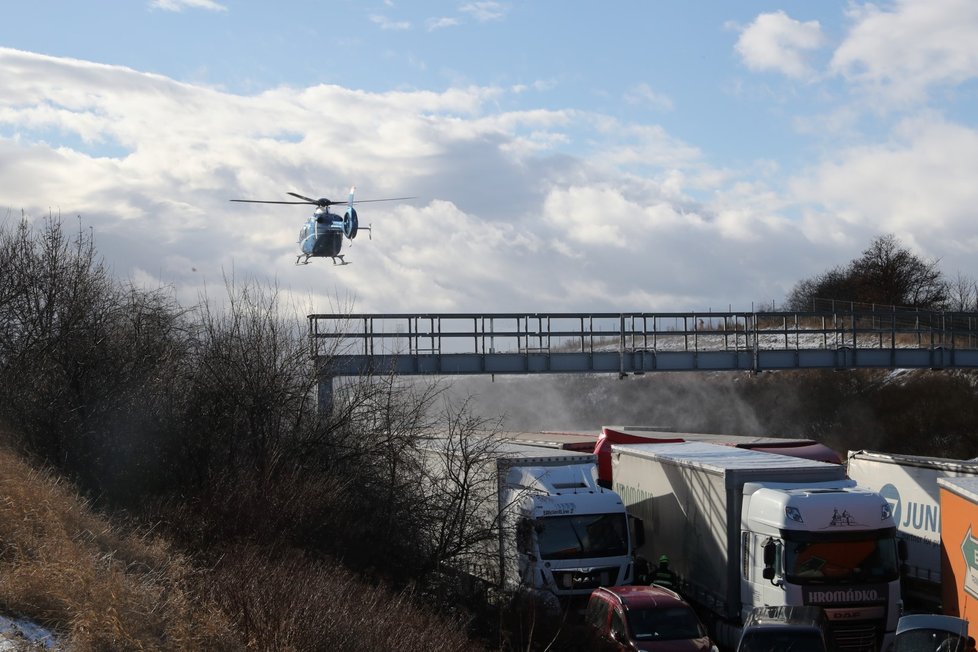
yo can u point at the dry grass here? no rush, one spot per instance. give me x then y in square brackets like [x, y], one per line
[68, 569]
[290, 601]
[100, 588]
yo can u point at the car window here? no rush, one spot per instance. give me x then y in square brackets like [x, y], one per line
[664, 624]
[597, 612]
[618, 625]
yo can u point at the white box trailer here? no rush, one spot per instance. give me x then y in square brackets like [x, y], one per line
[557, 530]
[909, 484]
[744, 529]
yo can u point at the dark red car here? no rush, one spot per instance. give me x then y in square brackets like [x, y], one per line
[649, 618]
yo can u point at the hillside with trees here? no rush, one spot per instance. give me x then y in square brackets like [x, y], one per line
[169, 483]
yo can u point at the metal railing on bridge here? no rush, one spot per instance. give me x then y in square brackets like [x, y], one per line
[513, 343]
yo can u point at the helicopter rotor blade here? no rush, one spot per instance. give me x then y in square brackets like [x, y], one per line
[318, 202]
[262, 201]
[322, 202]
[364, 201]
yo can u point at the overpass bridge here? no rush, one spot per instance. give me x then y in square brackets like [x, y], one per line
[637, 342]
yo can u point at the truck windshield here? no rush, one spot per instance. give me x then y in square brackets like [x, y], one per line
[582, 535]
[854, 558]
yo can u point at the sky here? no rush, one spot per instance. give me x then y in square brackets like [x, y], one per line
[562, 156]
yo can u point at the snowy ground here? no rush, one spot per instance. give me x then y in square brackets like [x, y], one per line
[22, 634]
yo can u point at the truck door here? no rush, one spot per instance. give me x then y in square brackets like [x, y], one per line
[525, 557]
[751, 566]
[760, 551]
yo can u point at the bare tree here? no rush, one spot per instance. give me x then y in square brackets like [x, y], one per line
[890, 274]
[459, 500]
[249, 383]
[962, 294]
[886, 273]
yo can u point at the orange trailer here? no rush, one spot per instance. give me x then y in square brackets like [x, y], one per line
[959, 549]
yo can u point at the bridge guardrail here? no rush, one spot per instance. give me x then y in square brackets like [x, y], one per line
[415, 334]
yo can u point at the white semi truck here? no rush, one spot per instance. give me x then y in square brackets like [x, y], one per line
[909, 484]
[555, 530]
[745, 529]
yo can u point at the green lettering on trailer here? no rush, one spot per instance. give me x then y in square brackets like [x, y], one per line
[969, 550]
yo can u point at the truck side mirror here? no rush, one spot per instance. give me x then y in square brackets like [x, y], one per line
[768, 573]
[902, 549]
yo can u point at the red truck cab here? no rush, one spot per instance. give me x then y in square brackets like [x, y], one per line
[647, 618]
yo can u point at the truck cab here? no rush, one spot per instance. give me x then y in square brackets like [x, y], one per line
[845, 561]
[571, 535]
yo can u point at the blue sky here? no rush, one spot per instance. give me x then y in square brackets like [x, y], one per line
[657, 155]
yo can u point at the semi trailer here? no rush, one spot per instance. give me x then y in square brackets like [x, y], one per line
[745, 529]
[909, 484]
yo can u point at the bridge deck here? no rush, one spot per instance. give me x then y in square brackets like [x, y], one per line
[623, 343]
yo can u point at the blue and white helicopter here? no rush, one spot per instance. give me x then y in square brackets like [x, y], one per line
[322, 234]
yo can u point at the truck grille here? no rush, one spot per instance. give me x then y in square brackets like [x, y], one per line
[858, 637]
[590, 578]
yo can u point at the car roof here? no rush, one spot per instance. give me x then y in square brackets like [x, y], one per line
[643, 596]
[932, 621]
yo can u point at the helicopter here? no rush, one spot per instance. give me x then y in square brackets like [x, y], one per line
[322, 234]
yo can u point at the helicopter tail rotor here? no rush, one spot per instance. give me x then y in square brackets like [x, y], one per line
[350, 221]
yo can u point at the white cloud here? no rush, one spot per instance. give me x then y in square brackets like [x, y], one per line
[915, 45]
[388, 24]
[441, 23]
[642, 146]
[485, 11]
[180, 5]
[919, 186]
[777, 42]
[643, 94]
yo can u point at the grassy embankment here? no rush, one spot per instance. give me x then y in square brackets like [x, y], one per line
[99, 586]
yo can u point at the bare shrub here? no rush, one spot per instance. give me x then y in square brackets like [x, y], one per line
[529, 625]
[249, 384]
[457, 502]
[289, 601]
